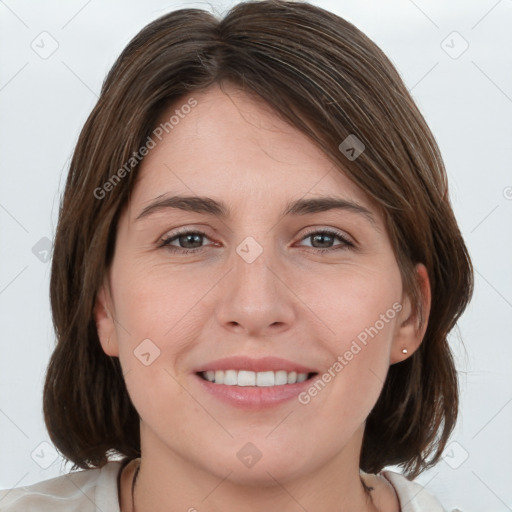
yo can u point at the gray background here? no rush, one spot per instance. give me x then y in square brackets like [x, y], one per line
[53, 58]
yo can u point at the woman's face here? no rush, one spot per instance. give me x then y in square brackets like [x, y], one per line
[231, 273]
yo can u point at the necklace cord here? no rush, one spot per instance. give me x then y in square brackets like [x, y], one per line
[133, 486]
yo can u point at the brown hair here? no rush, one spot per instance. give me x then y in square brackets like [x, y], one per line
[328, 79]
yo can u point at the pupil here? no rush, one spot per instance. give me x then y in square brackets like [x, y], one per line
[189, 237]
[316, 237]
[322, 238]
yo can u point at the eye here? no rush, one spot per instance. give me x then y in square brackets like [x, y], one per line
[326, 237]
[191, 239]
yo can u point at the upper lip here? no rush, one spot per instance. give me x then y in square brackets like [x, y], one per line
[255, 365]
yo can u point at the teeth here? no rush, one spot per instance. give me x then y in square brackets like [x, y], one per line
[280, 378]
[265, 379]
[248, 378]
[230, 378]
[244, 378]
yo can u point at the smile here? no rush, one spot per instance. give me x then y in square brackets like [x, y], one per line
[258, 379]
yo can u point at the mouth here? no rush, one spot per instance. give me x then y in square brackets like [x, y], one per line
[253, 384]
[247, 378]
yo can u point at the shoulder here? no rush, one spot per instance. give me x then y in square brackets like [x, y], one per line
[411, 495]
[84, 491]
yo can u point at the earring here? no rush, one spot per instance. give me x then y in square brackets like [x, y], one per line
[404, 351]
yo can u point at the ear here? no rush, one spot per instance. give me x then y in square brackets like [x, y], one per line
[104, 319]
[411, 325]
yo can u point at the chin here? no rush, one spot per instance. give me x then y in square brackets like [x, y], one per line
[258, 463]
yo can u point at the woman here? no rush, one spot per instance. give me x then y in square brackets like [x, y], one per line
[255, 271]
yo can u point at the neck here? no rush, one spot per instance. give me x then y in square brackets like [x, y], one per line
[167, 482]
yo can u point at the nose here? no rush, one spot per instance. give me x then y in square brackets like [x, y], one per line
[255, 298]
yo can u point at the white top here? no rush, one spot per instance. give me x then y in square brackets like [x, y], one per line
[96, 489]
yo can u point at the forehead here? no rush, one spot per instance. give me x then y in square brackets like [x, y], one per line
[231, 144]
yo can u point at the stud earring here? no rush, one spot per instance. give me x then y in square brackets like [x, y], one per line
[404, 351]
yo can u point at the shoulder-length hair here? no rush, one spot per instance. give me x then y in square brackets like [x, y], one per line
[325, 77]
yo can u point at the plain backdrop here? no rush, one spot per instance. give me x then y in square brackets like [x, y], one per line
[455, 58]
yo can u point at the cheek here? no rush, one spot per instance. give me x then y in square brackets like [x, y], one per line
[356, 304]
[359, 313]
[159, 326]
[160, 317]
[160, 302]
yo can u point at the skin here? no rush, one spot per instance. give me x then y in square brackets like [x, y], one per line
[293, 301]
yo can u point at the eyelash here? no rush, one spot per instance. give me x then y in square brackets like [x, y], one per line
[347, 244]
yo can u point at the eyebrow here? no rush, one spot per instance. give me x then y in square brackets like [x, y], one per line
[210, 206]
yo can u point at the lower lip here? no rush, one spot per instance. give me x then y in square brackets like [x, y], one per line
[253, 397]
